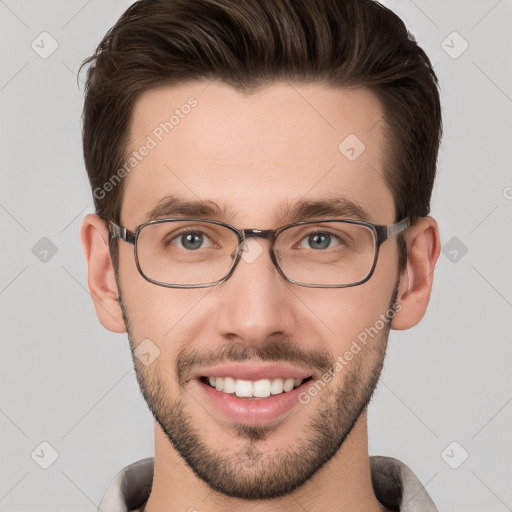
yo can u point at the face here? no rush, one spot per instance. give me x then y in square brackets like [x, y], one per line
[252, 156]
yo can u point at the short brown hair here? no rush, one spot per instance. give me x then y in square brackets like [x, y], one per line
[249, 44]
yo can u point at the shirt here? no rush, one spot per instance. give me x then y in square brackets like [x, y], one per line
[394, 484]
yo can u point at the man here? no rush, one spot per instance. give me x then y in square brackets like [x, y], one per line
[262, 173]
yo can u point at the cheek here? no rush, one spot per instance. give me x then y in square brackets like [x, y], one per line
[153, 310]
[163, 313]
[357, 344]
[346, 310]
[166, 318]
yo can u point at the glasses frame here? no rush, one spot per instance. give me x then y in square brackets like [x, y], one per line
[381, 233]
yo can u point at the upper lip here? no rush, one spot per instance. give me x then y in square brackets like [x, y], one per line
[254, 372]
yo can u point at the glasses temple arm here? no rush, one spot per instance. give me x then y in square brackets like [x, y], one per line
[385, 232]
[116, 231]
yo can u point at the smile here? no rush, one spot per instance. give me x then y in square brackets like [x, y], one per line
[262, 388]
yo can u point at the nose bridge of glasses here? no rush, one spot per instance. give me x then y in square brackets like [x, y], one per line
[266, 234]
[257, 233]
[252, 252]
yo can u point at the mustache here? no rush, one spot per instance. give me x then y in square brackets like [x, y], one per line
[283, 351]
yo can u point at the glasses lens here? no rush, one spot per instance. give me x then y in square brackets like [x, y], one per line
[186, 252]
[326, 253]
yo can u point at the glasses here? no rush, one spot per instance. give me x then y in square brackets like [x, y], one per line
[197, 253]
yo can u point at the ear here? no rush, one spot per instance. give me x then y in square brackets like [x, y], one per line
[423, 248]
[100, 275]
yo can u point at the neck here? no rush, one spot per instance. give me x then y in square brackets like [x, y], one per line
[343, 483]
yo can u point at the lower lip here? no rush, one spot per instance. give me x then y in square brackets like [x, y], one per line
[252, 411]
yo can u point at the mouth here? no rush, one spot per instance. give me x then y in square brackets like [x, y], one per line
[252, 402]
[255, 390]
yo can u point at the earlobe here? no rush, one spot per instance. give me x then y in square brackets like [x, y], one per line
[423, 248]
[100, 273]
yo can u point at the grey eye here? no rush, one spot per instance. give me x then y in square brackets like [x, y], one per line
[319, 240]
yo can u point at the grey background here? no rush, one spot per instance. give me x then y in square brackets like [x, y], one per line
[68, 382]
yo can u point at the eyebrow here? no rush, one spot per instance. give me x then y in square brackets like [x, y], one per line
[289, 213]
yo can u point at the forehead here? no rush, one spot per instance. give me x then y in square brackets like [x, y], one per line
[252, 155]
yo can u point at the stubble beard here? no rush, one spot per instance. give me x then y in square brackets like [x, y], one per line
[247, 471]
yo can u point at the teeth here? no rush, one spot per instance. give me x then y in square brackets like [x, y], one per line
[277, 386]
[229, 385]
[243, 388]
[288, 384]
[259, 389]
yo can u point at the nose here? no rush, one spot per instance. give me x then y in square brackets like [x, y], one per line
[256, 301]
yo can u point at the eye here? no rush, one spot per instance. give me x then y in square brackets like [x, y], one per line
[189, 240]
[320, 240]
